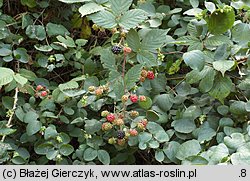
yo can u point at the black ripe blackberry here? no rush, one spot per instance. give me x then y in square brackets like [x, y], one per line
[120, 134]
[116, 49]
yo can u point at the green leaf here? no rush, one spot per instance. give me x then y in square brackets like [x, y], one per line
[242, 156]
[152, 115]
[146, 58]
[90, 8]
[145, 137]
[6, 76]
[92, 126]
[217, 40]
[52, 154]
[43, 148]
[30, 117]
[7, 102]
[240, 34]
[20, 113]
[33, 127]
[108, 60]
[153, 144]
[247, 106]
[67, 41]
[194, 3]
[36, 32]
[222, 88]
[119, 88]
[56, 29]
[159, 156]
[81, 42]
[193, 77]
[29, 3]
[195, 160]
[18, 160]
[146, 104]
[222, 109]
[215, 154]
[43, 48]
[133, 40]
[50, 132]
[103, 157]
[5, 51]
[187, 149]
[219, 22]
[158, 132]
[207, 82]
[164, 102]
[68, 85]
[234, 141]
[132, 76]
[31, 76]
[170, 149]
[90, 154]
[8, 58]
[20, 79]
[204, 133]
[21, 55]
[6, 131]
[223, 65]
[192, 112]
[240, 159]
[132, 18]
[66, 149]
[184, 125]
[195, 59]
[121, 6]
[238, 108]
[154, 39]
[104, 19]
[210, 6]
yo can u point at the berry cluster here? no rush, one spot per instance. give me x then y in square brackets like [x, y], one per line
[98, 91]
[41, 91]
[133, 98]
[141, 125]
[120, 131]
[147, 75]
[116, 49]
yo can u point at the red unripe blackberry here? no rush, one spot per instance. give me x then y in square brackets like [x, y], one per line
[150, 75]
[133, 132]
[134, 98]
[39, 87]
[44, 93]
[110, 117]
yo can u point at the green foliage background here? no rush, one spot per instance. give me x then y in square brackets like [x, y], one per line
[197, 106]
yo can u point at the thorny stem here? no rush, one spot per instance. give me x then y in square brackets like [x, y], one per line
[8, 125]
[124, 82]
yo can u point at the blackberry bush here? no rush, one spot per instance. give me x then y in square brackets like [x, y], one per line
[124, 82]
